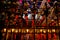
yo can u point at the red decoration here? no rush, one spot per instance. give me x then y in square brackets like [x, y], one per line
[49, 36]
[54, 36]
[16, 16]
[32, 22]
[26, 17]
[48, 0]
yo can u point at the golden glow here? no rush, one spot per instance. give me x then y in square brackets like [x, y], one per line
[13, 30]
[27, 30]
[9, 30]
[35, 30]
[4, 29]
[44, 31]
[52, 20]
[19, 30]
[59, 23]
[16, 31]
[53, 30]
[40, 30]
[48, 30]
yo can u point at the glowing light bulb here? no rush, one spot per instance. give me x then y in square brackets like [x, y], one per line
[4, 29]
[16, 31]
[9, 30]
[27, 30]
[13, 30]
[53, 30]
[40, 30]
[48, 30]
[44, 31]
